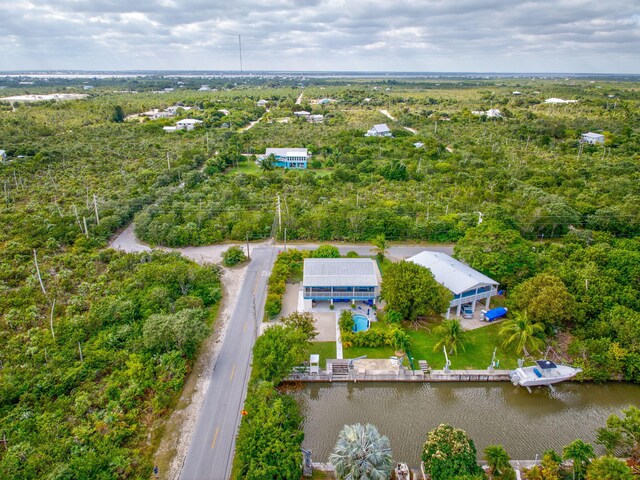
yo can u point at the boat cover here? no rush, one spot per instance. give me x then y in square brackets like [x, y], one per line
[546, 364]
[495, 313]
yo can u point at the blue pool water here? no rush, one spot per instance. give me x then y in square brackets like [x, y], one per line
[361, 323]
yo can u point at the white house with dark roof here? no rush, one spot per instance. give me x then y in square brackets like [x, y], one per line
[592, 138]
[380, 130]
[340, 280]
[467, 285]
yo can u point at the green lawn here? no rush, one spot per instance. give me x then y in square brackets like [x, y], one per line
[325, 350]
[479, 345]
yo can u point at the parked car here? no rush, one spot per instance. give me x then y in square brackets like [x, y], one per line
[467, 312]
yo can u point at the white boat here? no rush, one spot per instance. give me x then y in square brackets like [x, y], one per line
[545, 372]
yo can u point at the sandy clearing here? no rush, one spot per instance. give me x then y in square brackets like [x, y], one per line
[387, 114]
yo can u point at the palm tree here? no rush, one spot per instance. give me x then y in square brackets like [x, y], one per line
[362, 453]
[522, 332]
[380, 244]
[581, 453]
[497, 459]
[450, 332]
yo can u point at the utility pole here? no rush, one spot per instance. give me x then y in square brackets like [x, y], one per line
[53, 306]
[168, 162]
[75, 209]
[95, 207]
[240, 50]
[248, 253]
[285, 239]
[279, 214]
[86, 231]
[35, 259]
[80, 348]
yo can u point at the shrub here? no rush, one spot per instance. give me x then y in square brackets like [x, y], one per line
[346, 322]
[233, 256]
[273, 305]
[449, 453]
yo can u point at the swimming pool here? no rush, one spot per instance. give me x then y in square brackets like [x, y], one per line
[361, 323]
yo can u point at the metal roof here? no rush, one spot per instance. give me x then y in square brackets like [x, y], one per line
[339, 272]
[593, 135]
[382, 127]
[451, 273]
[287, 152]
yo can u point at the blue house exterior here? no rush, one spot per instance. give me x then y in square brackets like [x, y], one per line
[340, 279]
[289, 157]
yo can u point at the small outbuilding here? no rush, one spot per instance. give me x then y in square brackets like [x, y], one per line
[288, 157]
[467, 285]
[380, 130]
[592, 138]
[340, 280]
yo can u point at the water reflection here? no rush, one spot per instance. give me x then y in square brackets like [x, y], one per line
[527, 424]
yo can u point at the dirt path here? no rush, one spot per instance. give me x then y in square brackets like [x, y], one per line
[299, 100]
[252, 124]
[388, 115]
[178, 429]
[391, 117]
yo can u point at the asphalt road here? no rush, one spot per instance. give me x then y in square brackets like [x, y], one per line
[210, 454]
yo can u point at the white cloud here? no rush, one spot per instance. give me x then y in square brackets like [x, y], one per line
[409, 35]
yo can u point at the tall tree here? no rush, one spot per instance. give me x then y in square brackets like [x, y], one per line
[544, 298]
[450, 333]
[361, 453]
[411, 290]
[609, 468]
[622, 435]
[278, 350]
[498, 461]
[449, 454]
[380, 246]
[497, 251]
[522, 334]
[581, 454]
[118, 114]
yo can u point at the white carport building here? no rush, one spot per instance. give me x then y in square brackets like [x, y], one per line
[467, 285]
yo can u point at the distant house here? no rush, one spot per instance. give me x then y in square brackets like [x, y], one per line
[174, 109]
[204, 88]
[224, 111]
[418, 144]
[288, 157]
[325, 101]
[188, 124]
[492, 113]
[302, 113]
[3, 155]
[315, 118]
[380, 130]
[467, 285]
[592, 138]
[262, 103]
[340, 280]
[87, 87]
[170, 129]
[558, 100]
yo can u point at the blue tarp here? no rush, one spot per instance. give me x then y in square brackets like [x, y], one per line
[495, 313]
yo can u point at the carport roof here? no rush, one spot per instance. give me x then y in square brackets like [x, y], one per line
[339, 272]
[451, 273]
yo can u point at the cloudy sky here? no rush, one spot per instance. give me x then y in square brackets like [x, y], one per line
[595, 36]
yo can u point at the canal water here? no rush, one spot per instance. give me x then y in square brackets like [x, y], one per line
[491, 413]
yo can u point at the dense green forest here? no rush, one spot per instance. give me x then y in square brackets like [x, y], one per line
[86, 367]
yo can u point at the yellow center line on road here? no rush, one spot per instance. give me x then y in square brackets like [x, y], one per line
[215, 437]
[233, 372]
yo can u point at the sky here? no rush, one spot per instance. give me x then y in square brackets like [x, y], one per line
[568, 36]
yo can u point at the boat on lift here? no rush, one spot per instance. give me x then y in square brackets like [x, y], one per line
[544, 373]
